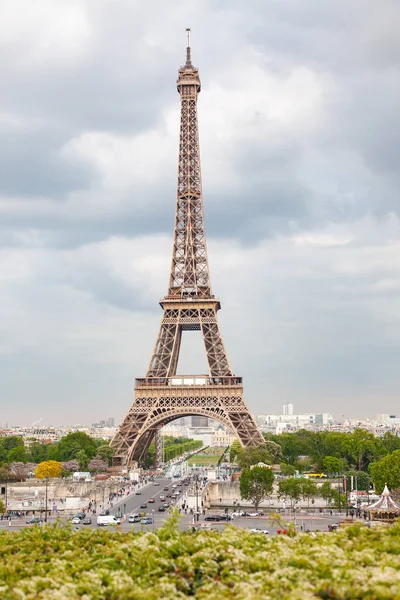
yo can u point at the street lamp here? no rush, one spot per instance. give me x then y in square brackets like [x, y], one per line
[45, 507]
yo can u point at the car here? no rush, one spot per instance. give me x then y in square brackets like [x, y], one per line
[34, 521]
[146, 521]
[161, 508]
[174, 486]
[156, 483]
[138, 493]
[104, 513]
[108, 520]
[87, 521]
[226, 517]
[176, 494]
[256, 530]
[151, 500]
[213, 518]
[75, 520]
[162, 498]
[254, 514]
[166, 505]
[169, 495]
[134, 519]
[144, 505]
[238, 513]
[166, 489]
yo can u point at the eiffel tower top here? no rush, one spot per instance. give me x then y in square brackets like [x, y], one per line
[189, 278]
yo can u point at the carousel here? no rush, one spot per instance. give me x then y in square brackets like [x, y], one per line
[384, 509]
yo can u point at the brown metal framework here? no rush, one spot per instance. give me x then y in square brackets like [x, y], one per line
[162, 396]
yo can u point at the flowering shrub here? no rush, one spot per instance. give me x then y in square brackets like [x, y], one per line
[56, 562]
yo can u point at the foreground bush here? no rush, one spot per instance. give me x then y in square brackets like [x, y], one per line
[57, 562]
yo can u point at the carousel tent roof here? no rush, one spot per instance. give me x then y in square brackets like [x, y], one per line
[385, 503]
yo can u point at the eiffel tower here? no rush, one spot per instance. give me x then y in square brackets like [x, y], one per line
[163, 396]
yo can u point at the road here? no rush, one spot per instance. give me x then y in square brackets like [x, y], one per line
[131, 504]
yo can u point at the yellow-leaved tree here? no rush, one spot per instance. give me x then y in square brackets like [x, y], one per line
[48, 468]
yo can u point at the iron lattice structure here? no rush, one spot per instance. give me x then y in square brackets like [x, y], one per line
[163, 396]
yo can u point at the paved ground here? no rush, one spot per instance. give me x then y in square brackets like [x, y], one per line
[131, 504]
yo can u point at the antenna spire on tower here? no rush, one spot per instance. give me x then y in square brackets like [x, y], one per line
[188, 57]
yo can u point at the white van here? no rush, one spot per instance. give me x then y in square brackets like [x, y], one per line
[108, 520]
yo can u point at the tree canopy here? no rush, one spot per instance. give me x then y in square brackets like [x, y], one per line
[255, 484]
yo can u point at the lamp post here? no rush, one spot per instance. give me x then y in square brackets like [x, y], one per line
[45, 502]
[152, 512]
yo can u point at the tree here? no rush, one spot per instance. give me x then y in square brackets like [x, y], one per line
[70, 445]
[6, 475]
[21, 470]
[362, 446]
[287, 470]
[327, 492]
[12, 442]
[386, 470]
[71, 465]
[267, 453]
[361, 480]
[255, 484]
[17, 454]
[105, 452]
[290, 489]
[234, 449]
[2, 507]
[82, 459]
[309, 489]
[38, 452]
[97, 465]
[332, 465]
[48, 468]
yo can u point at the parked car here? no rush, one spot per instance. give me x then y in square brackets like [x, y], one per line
[238, 513]
[75, 520]
[108, 520]
[226, 517]
[104, 513]
[256, 530]
[147, 521]
[134, 519]
[151, 500]
[34, 521]
[143, 505]
[213, 518]
[80, 515]
[87, 521]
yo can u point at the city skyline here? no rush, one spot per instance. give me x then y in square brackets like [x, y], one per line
[300, 179]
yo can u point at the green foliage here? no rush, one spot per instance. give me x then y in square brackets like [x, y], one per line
[11, 442]
[38, 452]
[55, 562]
[362, 479]
[2, 507]
[386, 470]
[105, 452]
[268, 453]
[17, 454]
[287, 470]
[332, 465]
[256, 484]
[234, 449]
[327, 492]
[82, 459]
[294, 488]
[70, 445]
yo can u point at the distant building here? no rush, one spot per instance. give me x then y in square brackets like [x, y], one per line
[292, 422]
[199, 421]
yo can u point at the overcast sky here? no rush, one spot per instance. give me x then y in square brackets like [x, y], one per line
[299, 130]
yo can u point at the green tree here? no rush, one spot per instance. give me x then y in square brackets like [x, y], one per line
[82, 459]
[386, 470]
[37, 452]
[362, 446]
[390, 442]
[18, 454]
[287, 470]
[332, 465]
[361, 480]
[105, 452]
[70, 445]
[12, 442]
[290, 489]
[327, 492]
[234, 449]
[255, 484]
[2, 507]
[267, 453]
[309, 489]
